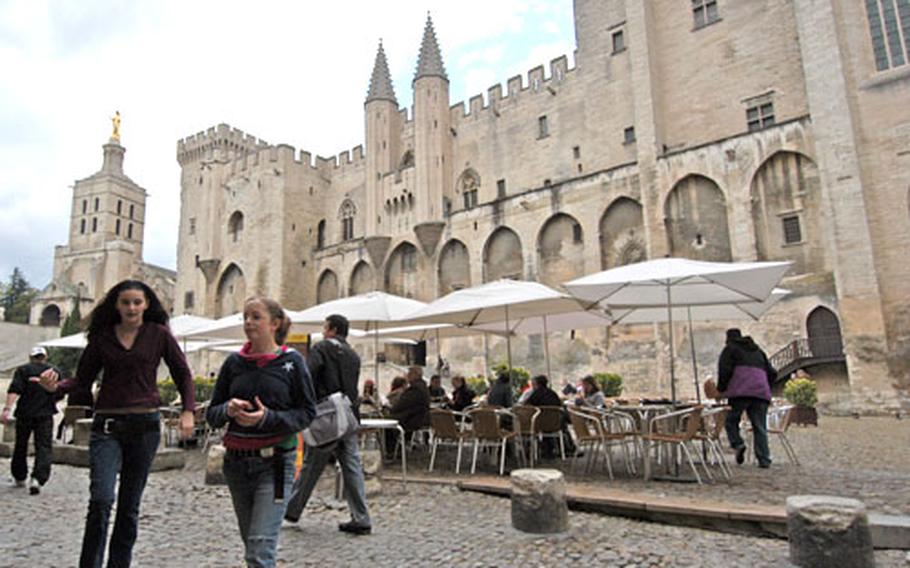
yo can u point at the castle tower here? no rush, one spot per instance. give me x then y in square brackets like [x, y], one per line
[382, 136]
[432, 139]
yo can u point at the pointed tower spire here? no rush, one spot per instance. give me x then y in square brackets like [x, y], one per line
[429, 63]
[380, 82]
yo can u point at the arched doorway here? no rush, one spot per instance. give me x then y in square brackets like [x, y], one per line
[823, 329]
[50, 316]
[231, 292]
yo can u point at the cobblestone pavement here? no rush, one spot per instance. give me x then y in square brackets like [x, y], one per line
[186, 523]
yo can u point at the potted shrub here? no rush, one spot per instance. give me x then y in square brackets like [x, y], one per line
[610, 384]
[804, 394]
[478, 384]
[520, 377]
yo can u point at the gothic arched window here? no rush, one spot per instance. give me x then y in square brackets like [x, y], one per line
[235, 226]
[468, 185]
[347, 212]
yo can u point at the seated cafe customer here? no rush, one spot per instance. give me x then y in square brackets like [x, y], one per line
[543, 395]
[398, 385]
[462, 395]
[437, 393]
[501, 391]
[591, 394]
[412, 409]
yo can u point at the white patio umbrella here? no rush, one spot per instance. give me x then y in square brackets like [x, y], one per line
[227, 327]
[495, 305]
[180, 325]
[74, 341]
[370, 311]
[184, 323]
[367, 312]
[751, 311]
[673, 283]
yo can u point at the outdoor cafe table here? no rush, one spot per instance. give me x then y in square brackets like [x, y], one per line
[390, 424]
[645, 413]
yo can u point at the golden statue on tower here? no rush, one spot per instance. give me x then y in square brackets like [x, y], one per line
[115, 120]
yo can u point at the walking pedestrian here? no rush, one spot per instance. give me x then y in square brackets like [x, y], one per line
[265, 396]
[335, 367]
[34, 415]
[128, 336]
[744, 377]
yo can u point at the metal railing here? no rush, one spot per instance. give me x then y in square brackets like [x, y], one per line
[806, 351]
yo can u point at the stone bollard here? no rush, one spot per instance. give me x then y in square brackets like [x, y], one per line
[214, 465]
[828, 531]
[9, 431]
[539, 501]
[82, 431]
[372, 469]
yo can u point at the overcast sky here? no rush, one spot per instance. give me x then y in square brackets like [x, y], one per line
[287, 72]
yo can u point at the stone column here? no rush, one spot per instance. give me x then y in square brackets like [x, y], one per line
[214, 465]
[539, 501]
[372, 471]
[828, 531]
[9, 431]
[82, 432]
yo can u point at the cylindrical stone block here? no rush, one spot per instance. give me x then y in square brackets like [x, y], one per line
[9, 431]
[539, 501]
[372, 462]
[214, 465]
[828, 531]
[82, 432]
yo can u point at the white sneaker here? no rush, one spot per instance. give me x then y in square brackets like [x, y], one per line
[19, 482]
[34, 487]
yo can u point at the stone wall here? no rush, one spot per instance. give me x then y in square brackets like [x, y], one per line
[648, 146]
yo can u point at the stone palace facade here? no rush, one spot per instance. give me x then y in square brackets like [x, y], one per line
[708, 129]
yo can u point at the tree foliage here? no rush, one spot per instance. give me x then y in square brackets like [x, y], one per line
[17, 296]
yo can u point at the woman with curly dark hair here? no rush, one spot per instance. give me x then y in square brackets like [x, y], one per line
[128, 336]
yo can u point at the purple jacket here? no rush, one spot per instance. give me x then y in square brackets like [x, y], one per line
[744, 371]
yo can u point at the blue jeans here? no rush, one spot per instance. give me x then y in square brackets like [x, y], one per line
[757, 411]
[252, 484]
[314, 461]
[131, 455]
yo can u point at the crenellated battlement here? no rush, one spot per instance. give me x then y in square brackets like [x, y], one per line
[538, 83]
[243, 152]
[221, 139]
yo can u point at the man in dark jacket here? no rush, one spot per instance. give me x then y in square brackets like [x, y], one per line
[462, 396]
[34, 413]
[543, 395]
[412, 410]
[501, 391]
[334, 367]
[744, 378]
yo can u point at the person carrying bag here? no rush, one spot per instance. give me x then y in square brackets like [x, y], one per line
[335, 369]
